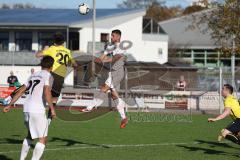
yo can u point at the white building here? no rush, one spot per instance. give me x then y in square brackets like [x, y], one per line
[23, 32]
[30, 30]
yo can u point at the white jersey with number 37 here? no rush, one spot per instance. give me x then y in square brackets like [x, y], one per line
[34, 102]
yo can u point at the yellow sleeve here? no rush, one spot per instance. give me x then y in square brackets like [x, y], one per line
[47, 52]
[228, 103]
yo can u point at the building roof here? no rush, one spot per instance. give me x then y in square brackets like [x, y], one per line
[54, 17]
[181, 36]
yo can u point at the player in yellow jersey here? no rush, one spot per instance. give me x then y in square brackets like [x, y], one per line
[62, 59]
[232, 108]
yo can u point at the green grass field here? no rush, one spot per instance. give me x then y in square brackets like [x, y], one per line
[101, 139]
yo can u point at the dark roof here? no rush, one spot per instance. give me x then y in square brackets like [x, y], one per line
[181, 36]
[62, 17]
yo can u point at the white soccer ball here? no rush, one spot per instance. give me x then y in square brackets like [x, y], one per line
[83, 9]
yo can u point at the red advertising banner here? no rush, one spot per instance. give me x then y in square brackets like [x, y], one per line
[6, 91]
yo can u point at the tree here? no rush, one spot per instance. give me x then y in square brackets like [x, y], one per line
[29, 6]
[162, 12]
[223, 22]
[17, 6]
[5, 6]
[192, 9]
[156, 9]
[139, 4]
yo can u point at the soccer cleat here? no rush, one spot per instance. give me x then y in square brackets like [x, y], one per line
[124, 122]
[86, 110]
[6, 101]
[232, 138]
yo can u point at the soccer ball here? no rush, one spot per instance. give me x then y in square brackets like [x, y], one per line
[83, 9]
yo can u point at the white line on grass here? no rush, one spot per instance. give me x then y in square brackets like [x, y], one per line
[108, 146]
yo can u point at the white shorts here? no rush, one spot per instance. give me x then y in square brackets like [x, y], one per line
[37, 124]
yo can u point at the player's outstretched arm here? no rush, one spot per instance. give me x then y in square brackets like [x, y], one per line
[48, 98]
[226, 112]
[40, 54]
[20, 92]
[101, 59]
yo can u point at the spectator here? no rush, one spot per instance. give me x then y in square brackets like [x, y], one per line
[12, 80]
[181, 84]
[32, 71]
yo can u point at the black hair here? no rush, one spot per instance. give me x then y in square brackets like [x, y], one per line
[229, 87]
[47, 62]
[117, 31]
[58, 38]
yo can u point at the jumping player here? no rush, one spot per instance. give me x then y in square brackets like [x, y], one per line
[232, 108]
[62, 59]
[115, 56]
[35, 118]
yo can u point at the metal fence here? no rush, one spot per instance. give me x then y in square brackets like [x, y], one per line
[149, 86]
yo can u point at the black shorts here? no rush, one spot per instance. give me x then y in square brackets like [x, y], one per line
[234, 127]
[57, 85]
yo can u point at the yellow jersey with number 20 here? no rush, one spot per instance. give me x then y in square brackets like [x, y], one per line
[62, 58]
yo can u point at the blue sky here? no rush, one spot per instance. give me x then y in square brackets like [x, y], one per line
[75, 3]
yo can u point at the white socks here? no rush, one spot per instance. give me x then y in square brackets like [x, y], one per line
[38, 151]
[25, 148]
[120, 107]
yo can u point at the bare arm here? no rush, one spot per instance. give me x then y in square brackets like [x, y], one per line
[15, 98]
[113, 59]
[18, 95]
[48, 98]
[227, 111]
[40, 54]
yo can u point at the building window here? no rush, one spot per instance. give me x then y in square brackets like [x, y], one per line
[45, 39]
[151, 27]
[23, 41]
[74, 41]
[4, 40]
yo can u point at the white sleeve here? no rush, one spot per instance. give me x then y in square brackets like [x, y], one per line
[47, 80]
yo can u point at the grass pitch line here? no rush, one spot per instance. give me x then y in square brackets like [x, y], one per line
[108, 146]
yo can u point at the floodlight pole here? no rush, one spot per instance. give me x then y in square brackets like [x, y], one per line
[93, 35]
[233, 61]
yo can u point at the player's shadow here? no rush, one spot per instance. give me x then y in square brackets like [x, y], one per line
[205, 150]
[210, 151]
[3, 157]
[71, 142]
[215, 144]
[10, 141]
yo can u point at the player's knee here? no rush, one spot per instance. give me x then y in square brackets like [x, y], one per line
[104, 88]
[43, 140]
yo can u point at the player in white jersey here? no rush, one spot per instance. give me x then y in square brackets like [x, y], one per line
[38, 91]
[116, 57]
